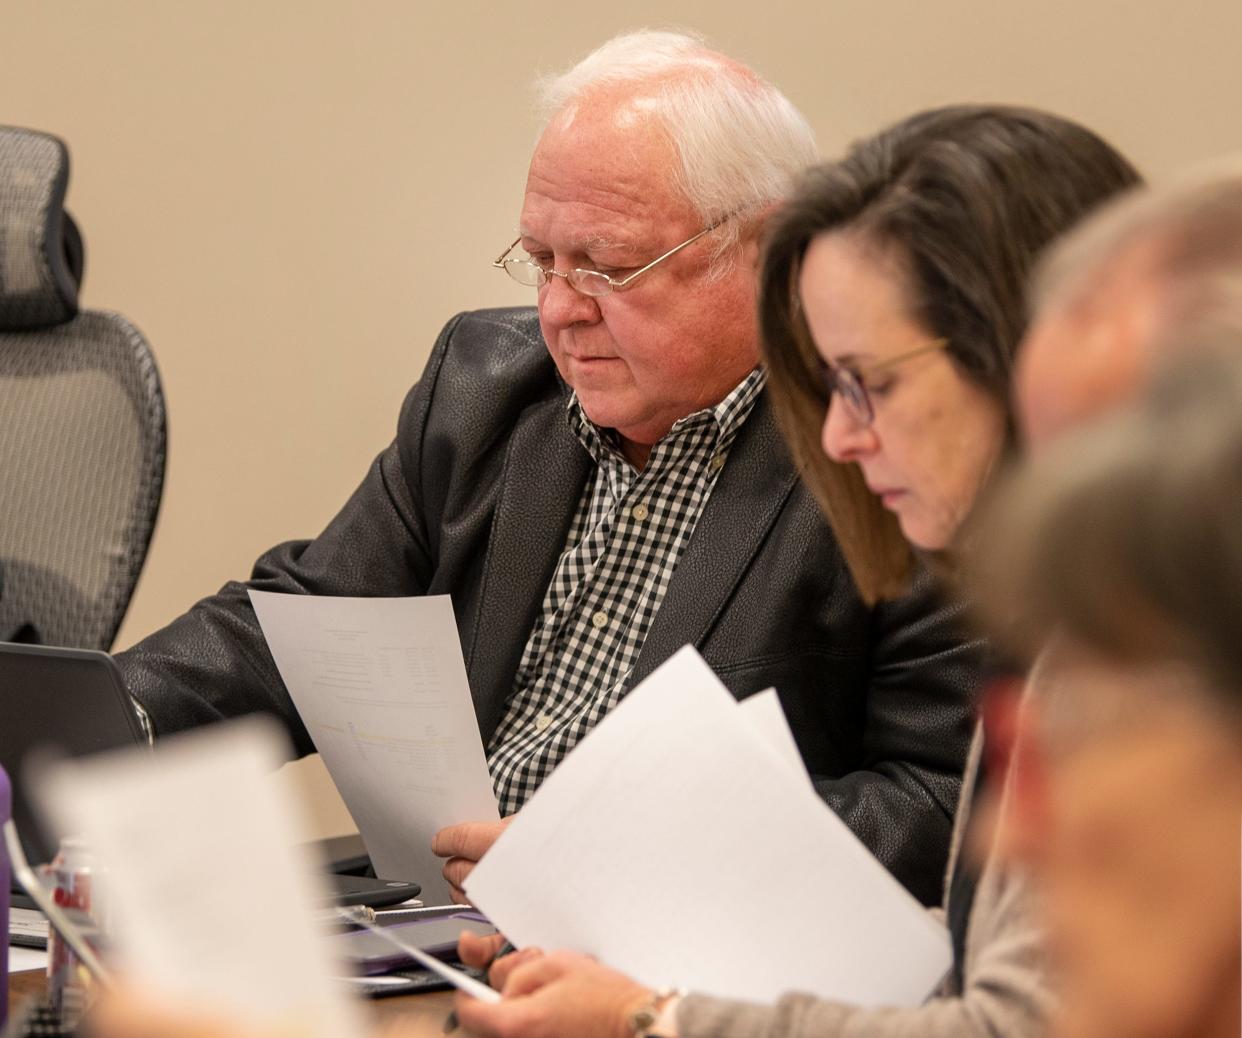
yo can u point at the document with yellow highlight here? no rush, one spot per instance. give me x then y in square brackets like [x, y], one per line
[380, 684]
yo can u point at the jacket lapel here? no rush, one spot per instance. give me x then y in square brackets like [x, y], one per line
[544, 473]
[748, 496]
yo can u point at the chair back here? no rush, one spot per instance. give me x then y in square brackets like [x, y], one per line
[82, 423]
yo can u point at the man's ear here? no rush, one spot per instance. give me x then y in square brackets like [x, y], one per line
[751, 242]
[752, 252]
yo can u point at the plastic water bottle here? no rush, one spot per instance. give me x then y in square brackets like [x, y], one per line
[68, 987]
[6, 808]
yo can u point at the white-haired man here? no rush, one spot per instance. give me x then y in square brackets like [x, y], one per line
[600, 482]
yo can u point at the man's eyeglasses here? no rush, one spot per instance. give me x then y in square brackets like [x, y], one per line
[588, 282]
[851, 383]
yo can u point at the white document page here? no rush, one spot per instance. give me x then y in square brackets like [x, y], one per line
[208, 889]
[767, 718]
[381, 686]
[637, 847]
[21, 959]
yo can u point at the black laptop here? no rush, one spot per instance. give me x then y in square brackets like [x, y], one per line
[71, 702]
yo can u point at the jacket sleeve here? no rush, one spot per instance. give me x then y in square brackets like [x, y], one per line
[213, 662]
[918, 716]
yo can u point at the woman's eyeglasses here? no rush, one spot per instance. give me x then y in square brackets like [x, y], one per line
[851, 383]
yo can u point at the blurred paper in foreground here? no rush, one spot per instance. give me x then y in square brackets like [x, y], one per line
[208, 889]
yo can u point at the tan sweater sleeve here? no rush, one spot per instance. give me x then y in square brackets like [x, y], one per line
[1005, 990]
[1005, 993]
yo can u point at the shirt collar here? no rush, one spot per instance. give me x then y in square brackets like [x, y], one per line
[728, 416]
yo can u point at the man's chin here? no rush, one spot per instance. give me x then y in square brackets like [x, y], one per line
[604, 409]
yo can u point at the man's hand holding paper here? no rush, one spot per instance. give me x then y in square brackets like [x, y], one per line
[381, 687]
[464, 845]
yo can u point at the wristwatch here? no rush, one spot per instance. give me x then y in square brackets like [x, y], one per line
[657, 1017]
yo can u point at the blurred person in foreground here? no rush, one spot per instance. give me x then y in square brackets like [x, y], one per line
[1120, 550]
[1136, 832]
[892, 308]
[598, 480]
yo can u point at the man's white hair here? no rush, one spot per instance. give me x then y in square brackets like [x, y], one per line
[1188, 235]
[739, 140]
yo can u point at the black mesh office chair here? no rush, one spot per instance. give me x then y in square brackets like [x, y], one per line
[82, 427]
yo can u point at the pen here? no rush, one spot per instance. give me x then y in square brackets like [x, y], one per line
[457, 978]
[450, 1021]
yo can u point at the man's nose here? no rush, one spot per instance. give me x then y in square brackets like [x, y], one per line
[844, 437]
[562, 305]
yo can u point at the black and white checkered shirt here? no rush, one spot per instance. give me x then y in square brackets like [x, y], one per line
[623, 545]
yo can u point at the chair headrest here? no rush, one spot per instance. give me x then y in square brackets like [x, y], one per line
[41, 254]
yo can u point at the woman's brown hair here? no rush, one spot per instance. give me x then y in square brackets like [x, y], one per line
[968, 196]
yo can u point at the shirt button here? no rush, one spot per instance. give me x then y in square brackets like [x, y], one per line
[542, 722]
[600, 619]
[717, 463]
[639, 512]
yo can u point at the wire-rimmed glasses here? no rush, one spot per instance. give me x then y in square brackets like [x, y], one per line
[851, 383]
[588, 282]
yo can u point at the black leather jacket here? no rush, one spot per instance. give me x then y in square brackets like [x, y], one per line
[474, 498]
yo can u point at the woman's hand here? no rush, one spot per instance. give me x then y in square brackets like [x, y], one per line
[482, 952]
[557, 995]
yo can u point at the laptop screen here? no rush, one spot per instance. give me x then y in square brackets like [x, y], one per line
[71, 702]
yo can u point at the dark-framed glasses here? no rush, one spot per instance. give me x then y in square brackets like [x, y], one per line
[588, 282]
[851, 384]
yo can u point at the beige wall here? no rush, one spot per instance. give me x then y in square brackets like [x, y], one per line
[290, 198]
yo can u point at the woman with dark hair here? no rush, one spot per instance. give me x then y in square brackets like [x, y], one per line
[892, 305]
[894, 285]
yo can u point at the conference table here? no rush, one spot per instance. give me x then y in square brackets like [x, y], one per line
[422, 1015]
